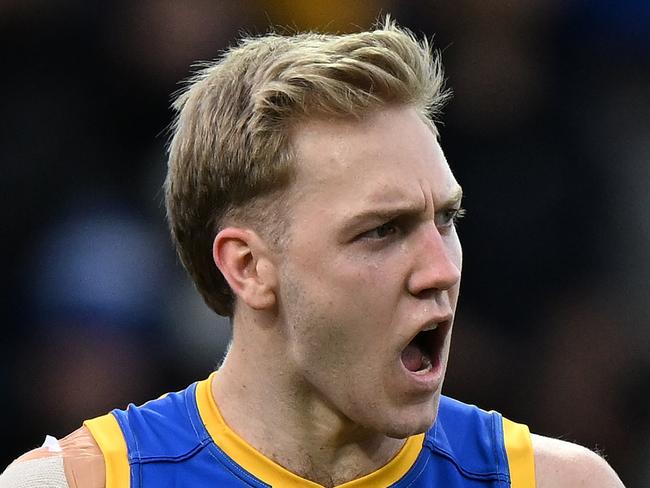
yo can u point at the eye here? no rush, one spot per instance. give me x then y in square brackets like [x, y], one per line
[380, 232]
[451, 216]
[459, 214]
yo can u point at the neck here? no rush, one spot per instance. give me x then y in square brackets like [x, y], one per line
[268, 405]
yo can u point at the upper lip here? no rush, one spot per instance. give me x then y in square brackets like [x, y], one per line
[433, 323]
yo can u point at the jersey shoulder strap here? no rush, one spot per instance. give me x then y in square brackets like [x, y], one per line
[483, 445]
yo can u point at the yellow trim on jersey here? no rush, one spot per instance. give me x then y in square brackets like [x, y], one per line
[272, 473]
[394, 470]
[521, 458]
[109, 437]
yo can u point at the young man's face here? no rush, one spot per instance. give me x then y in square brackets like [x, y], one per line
[373, 259]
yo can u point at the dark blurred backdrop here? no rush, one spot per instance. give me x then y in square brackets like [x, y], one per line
[549, 134]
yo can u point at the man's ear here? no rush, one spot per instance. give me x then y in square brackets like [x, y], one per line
[246, 262]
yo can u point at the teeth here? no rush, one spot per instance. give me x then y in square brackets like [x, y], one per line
[426, 366]
[430, 327]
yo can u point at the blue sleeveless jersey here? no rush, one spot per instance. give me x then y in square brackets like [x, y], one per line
[180, 440]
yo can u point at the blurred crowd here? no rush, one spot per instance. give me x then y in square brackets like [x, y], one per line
[548, 132]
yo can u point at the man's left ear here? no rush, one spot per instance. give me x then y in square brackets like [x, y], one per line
[247, 263]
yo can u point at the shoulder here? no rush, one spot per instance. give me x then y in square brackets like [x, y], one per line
[561, 464]
[77, 462]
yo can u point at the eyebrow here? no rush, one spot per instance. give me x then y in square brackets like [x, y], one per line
[396, 210]
[454, 199]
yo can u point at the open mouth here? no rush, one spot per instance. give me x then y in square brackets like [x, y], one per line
[422, 354]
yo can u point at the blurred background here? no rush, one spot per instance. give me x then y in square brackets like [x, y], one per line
[548, 132]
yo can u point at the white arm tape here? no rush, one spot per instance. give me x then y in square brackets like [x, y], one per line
[52, 444]
[44, 472]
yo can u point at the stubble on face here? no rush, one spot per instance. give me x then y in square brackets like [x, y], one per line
[343, 304]
[333, 377]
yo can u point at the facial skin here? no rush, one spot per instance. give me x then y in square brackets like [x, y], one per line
[373, 257]
[314, 378]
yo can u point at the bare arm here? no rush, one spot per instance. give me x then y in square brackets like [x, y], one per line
[79, 464]
[561, 464]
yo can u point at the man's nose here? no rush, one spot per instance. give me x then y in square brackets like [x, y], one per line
[437, 262]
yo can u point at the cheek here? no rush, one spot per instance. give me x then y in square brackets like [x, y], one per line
[357, 284]
[454, 252]
[454, 249]
[335, 322]
[352, 298]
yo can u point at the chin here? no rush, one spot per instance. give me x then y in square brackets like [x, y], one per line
[406, 430]
[413, 420]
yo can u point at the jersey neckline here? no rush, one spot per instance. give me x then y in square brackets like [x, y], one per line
[272, 473]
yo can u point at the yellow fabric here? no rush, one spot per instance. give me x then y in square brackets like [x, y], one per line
[519, 449]
[274, 474]
[108, 435]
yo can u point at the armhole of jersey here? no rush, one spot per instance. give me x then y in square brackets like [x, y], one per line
[108, 435]
[521, 458]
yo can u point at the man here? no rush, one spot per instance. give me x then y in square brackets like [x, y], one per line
[310, 200]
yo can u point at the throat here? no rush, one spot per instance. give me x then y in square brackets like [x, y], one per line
[305, 438]
[329, 468]
[415, 358]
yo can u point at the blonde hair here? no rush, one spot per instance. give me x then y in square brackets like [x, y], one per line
[230, 158]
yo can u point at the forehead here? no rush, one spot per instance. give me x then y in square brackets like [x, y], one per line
[388, 157]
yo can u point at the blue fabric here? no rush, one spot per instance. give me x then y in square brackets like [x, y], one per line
[168, 446]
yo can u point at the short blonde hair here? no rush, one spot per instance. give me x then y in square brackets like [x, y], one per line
[230, 158]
